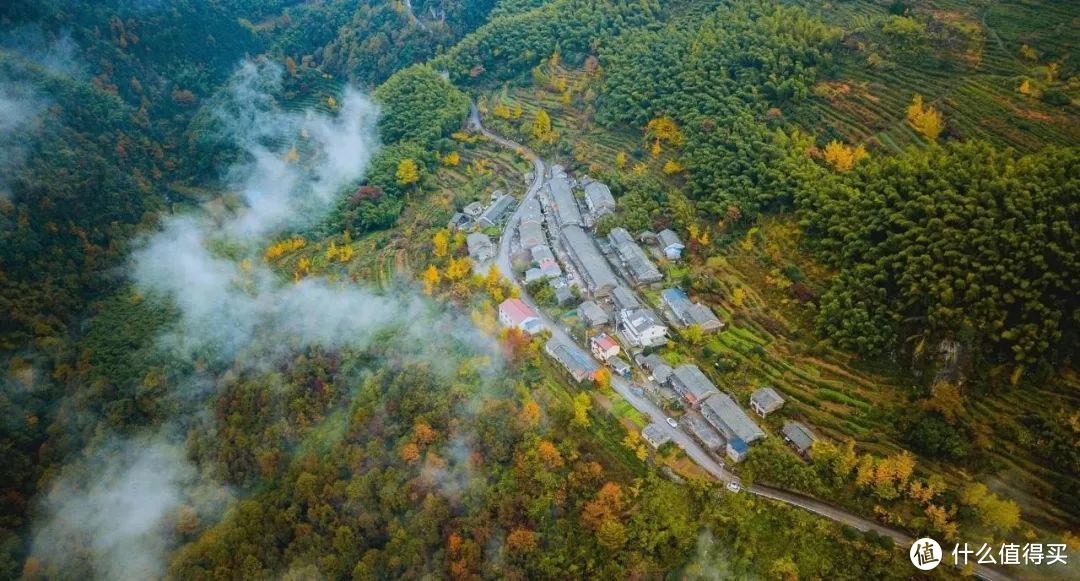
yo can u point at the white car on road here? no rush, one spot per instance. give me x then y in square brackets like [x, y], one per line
[734, 486]
[671, 422]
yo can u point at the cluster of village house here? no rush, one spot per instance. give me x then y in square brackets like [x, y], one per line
[598, 267]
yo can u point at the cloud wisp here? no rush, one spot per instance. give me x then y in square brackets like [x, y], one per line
[233, 308]
[110, 509]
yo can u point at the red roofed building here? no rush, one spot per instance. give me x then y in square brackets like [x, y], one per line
[604, 347]
[515, 313]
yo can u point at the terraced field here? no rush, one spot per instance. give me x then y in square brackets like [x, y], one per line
[590, 145]
[974, 77]
[771, 341]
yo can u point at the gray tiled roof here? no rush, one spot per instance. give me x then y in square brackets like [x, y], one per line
[637, 262]
[668, 237]
[725, 415]
[655, 434]
[799, 435]
[624, 298]
[701, 429]
[640, 319]
[592, 313]
[497, 210]
[562, 198]
[689, 313]
[590, 263]
[598, 197]
[532, 234]
[530, 212]
[767, 399]
[690, 378]
[576, 361]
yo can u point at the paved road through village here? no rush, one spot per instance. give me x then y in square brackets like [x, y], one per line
[646, 406]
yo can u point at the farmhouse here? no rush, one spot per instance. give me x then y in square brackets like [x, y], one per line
[590, 264]
[598, 198]
[620, 366]
[737, 449]
[604, 347]
[496, 212]
[670, 244]
[563, 294]
[688, 313]
[459, 221]
[624, 298]
[563, 203]
[641, 269]
[480, 247]
[732, 422]
[515, 313]
[592, 314]
[474, 210]
[689, 382]
[765, 400]
[545, 261]
[642, 327]
[799, 436]
[660, 370]
[703, 432]
[577, 362]
[655, 435]
[532, 234]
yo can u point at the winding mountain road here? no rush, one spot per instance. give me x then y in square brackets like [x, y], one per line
[630, 391]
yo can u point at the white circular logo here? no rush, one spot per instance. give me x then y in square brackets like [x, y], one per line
[925, 554]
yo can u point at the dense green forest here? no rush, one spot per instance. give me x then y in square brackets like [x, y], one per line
[965, 241]
[880, 197]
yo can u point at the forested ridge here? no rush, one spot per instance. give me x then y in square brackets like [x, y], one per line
[964, 242]
[879, 198]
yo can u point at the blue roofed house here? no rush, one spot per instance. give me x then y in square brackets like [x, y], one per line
[736, 449]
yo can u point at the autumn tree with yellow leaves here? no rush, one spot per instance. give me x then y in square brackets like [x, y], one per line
[430, 279]
[283, 247]
[541, 129]
[672, 167]
[924, 118]
[440, 243]
[451, 159]
[458, 269]
[582, 404]
[408, 172]
[844, 157]
[664, 129]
